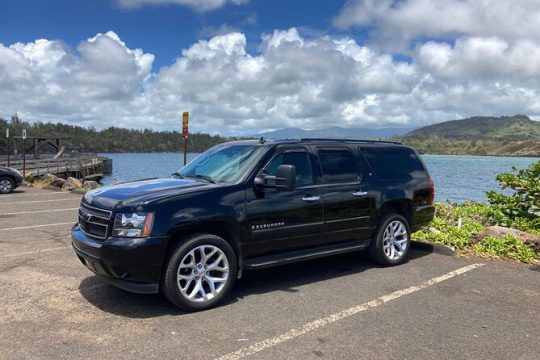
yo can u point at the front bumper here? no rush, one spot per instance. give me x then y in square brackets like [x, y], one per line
[18, 181]
[131, 264]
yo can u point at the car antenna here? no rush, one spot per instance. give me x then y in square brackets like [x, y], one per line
[261, 140]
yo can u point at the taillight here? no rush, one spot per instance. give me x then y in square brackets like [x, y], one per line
[431, 192]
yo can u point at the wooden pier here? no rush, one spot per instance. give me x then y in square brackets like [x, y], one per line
[87, 166]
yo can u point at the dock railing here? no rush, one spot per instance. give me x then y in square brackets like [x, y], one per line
[79, 166]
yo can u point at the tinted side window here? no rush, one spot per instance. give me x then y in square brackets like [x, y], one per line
[300, 160]
[394, 162]
[338, 165]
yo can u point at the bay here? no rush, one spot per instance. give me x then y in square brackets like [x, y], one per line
[456, 178]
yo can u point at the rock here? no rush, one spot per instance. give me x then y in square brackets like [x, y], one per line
[91, 184]
[501, 231]
[59, 182]
[434, 230]
[47, 180]
[71, 184]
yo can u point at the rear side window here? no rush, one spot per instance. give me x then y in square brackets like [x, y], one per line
[394, 162]
[338, 165]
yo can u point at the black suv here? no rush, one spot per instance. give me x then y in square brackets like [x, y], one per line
[249, 205]
[10, 179]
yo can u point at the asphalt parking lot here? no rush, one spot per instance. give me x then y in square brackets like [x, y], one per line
[344, 307]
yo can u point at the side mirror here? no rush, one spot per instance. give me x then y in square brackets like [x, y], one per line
[285, 179]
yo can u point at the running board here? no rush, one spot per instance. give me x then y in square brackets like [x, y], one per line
[300, 255]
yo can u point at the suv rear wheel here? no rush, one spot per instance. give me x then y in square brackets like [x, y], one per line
[200, 272]
[392, 241]
[6, 185]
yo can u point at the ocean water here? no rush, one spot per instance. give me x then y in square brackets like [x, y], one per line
[456, 178]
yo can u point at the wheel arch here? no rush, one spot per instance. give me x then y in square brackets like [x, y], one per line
[401, 206]
[226, 229]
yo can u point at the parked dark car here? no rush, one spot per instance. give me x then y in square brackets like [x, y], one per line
[10, 179]
[249, 205]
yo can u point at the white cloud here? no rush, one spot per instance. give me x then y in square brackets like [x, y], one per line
[292, 81]
[394, 23]
[197, 5]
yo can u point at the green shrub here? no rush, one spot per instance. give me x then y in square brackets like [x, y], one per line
[521, 209]
[508, 246]
[455, 225]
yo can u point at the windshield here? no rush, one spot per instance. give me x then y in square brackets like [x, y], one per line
[223, 163]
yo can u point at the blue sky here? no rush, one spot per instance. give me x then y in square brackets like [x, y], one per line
[163, 30]
[248, 66]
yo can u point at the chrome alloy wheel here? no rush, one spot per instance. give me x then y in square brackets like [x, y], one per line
[202, 273]
[5, 186]
[395, 240]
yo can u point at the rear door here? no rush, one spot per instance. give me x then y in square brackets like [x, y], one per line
[345, 196]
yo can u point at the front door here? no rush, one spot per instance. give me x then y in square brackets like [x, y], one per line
[282, 221]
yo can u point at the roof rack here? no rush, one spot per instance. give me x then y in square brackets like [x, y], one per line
[353, 140]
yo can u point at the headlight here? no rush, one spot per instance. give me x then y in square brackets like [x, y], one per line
[133, 224]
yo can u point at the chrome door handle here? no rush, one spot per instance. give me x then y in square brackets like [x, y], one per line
[311, 198]
[360, 193]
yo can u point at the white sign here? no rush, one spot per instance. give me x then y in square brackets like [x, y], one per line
[24, 134]
[7, 133]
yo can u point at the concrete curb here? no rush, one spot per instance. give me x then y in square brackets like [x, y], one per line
[434, 248]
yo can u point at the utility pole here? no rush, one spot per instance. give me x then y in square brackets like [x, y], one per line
[185, 124]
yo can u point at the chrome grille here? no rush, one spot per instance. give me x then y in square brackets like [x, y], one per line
[94, 222]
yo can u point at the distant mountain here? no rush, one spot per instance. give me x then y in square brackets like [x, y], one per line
[517, 127]
[335, 132]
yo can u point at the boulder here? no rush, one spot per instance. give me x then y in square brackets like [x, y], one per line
[47, 180]
[71, 184]
[91, 184]
[59, 182]
[501, 231]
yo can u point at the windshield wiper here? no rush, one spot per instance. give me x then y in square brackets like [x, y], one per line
[205, 177]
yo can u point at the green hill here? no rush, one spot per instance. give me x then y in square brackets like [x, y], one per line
[516, 128]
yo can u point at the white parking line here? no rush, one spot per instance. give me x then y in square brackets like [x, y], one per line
[291, 334]
[38, 251]
[37, 226]
[39, 211]
[38, 201]
[44, 193]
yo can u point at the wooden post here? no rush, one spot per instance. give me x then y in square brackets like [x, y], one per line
[24, 158]
[185, 124]
[8, 147]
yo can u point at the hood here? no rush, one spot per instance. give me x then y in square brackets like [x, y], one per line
[13, 171]
[131, 194]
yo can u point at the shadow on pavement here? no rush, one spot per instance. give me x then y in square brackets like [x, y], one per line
[283, 278]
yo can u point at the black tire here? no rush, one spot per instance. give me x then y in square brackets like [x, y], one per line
[6, 185]
[171, 284]
[377, 251]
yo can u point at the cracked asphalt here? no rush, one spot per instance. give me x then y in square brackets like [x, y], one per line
[431, 307]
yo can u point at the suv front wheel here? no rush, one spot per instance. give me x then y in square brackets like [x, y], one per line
[200, 272]
[392, 241]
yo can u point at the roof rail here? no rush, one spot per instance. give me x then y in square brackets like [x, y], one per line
[353, 140]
